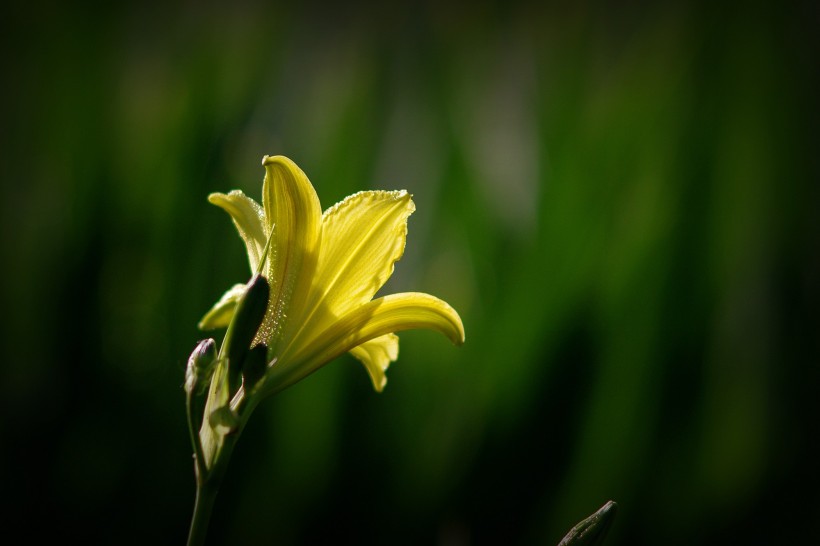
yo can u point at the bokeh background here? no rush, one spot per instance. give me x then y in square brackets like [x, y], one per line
[620, 200]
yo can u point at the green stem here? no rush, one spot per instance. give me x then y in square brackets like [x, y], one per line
[193, 432]
[226, 379]
[207, 486]
[203, 506]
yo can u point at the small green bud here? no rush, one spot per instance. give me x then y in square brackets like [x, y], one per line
[250, 311]
[592, 530]
[201, 365]
[224, 418]
[255, 366]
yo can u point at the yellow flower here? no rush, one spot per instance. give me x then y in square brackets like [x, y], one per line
[310, 299]
[323, 271]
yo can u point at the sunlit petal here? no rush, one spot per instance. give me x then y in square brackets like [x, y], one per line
[362, 238]
[248, 217]
[221, 313]
[293, 211]
[394, 313]
[376, 355]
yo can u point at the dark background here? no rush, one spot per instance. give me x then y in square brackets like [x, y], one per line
[620, 200]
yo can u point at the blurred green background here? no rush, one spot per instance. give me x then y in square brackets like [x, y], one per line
[621, 202]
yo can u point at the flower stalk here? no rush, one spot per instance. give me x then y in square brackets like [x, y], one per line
[235, 352]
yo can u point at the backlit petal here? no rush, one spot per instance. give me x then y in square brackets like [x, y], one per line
[394, 313]
[293, 211]
[376, 355]
[221, 313]
[248, 217]
[362, 238]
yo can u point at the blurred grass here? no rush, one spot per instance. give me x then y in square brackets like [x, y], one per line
[622, 204]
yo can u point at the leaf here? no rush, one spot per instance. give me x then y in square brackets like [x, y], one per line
[592, 530]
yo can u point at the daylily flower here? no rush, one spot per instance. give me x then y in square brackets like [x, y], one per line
[324, 270]
[310, 299]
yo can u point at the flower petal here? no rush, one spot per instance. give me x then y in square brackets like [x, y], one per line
[363, 236]
[221, 313]
[389, 314]
[248, 217]
[293, 211]
[376, 355]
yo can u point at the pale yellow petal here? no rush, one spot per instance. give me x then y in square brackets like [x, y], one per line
[362, 238]
[376, 355]
[389, 314]
[293, 211]
[221, 313]
[248, 217]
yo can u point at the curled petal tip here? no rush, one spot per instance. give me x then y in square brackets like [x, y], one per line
[274, 159]
[456, 330]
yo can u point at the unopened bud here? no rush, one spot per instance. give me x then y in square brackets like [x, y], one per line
[201, 365]
[224, 418]
[255, 365]
[250, 311]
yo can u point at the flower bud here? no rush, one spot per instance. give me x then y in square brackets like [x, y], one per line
[224, 419]
[255, 365]
[250, 311]
[200, 367]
